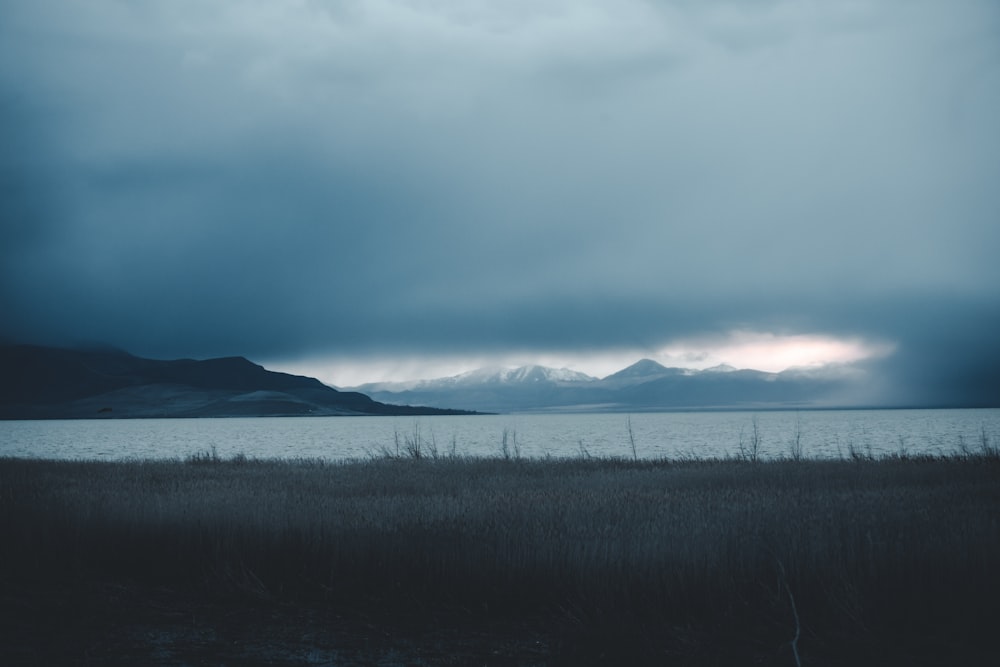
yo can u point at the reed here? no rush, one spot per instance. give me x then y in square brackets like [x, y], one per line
[644, 560]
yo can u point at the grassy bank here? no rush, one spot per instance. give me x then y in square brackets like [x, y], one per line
[575, 561]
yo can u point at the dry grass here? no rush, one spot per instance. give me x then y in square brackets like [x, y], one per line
[643, 561]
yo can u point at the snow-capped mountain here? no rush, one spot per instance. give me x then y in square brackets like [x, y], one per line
[645, 385]
[644, 370]
[721, 368]
[532, 374]
[489, 376]
[495, 389]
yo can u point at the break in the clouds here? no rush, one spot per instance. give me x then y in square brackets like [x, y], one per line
[296, 180]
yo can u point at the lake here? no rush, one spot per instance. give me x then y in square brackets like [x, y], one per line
[821, 434]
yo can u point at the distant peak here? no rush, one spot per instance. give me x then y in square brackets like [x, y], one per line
[642, 368]
[721, 368]
[648, 363]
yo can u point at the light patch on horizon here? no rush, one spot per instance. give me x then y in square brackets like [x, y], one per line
[740, 349]
[771, 352]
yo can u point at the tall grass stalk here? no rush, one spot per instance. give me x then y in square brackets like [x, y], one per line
[509, 447]
[750, 450]
[795, 444]
[631, 438]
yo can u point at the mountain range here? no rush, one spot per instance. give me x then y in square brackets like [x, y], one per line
[55, 383]
[645, 385]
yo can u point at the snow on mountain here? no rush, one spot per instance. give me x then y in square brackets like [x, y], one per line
[721, 368]
[543, 374]
[523, 375]
[492, 388]
[641, 371]
[490, 375]
[645, 385]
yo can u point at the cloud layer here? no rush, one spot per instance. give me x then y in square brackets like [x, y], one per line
[296, 178]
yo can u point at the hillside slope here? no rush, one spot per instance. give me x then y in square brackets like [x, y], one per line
[55, 383]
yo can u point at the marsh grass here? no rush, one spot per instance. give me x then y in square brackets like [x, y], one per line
[646, 561]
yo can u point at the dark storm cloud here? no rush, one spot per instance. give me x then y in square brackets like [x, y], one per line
[293, 178]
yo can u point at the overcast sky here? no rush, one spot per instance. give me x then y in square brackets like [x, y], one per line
[387, 188]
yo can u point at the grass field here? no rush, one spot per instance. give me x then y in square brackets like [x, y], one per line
[509, 561]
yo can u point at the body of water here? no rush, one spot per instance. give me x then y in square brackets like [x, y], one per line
[819, 434]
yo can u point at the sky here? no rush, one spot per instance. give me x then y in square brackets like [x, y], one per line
[393, 189]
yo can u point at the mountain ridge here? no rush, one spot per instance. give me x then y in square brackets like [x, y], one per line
[644, 385]
[38, 382]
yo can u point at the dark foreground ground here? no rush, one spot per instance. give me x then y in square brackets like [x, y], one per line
[115, 624]
[500, 562]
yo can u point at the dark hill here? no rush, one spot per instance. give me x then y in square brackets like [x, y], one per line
[53, 383]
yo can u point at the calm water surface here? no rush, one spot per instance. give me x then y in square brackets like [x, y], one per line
[822, 434]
